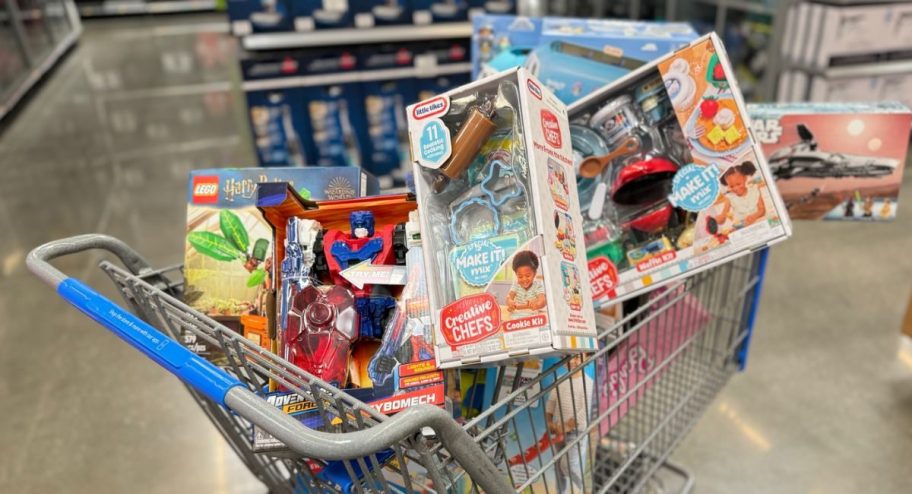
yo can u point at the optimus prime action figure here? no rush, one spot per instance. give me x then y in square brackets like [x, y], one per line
[321, 325]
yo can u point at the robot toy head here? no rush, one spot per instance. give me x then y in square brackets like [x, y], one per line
[362, 224]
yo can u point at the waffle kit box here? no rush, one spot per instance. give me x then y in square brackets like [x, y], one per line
[670, 180]
[501, 222]
[835, 161]
[228, 263]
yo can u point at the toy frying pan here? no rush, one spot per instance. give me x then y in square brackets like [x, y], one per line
[643, 181]
[653, 221]
[712, 228]
[593, 166]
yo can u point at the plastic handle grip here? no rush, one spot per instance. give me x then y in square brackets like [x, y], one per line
[189, 367]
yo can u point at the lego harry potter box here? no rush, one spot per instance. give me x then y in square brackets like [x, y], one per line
[228, 262]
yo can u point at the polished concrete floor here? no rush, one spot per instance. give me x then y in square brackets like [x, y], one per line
[105, 145]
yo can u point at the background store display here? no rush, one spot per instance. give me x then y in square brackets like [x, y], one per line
[670, 179]
[345, 106]
[499, 211]
[835, 161]
[573, 57]
[34, 35]
[228, 262]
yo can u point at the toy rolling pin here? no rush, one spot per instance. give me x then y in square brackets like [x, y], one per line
[472, 135]
[593, 166]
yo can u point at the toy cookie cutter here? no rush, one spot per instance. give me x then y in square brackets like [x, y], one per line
[491, 198]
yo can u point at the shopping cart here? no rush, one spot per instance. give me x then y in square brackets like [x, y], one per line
[658, 369]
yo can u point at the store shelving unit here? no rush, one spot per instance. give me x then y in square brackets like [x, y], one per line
[32, 41]
[133, 7]
[355, 36]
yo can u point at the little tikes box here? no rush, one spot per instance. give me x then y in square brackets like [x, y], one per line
[499, 212]
[670, 178]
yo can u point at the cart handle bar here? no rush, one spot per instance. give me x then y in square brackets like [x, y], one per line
[227, 390]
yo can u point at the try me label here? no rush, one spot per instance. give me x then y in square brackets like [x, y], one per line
[478, 261]
[470, 319]
[434, 146]
[694, 187]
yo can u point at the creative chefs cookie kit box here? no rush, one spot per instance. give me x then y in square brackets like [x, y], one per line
[501, 221]
[670, 179]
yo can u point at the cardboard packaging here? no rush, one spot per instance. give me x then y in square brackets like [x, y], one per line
[835, 161]
[670, 180]
[228, 263]
[573, 57]
[390, 369]
[498, 205]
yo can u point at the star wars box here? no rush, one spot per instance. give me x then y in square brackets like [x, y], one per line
[228, 252]
[670, 180]
[499, 211]
[835, 161]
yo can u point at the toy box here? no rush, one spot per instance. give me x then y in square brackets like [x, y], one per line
[573, 57]
[493, 177]
[352, 304]
[370, 13]
[835, 160]
[429, 11]
[669, 177]
[228, 255]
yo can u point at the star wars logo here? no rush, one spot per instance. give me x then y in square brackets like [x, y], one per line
[767, 131]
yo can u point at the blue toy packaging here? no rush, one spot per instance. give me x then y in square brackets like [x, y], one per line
[384, 109]
[277, 126]
[259, 16]
[573, 57]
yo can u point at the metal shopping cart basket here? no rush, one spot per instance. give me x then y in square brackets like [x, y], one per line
[657, 370]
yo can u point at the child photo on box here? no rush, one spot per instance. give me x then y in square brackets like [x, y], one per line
[527, 294]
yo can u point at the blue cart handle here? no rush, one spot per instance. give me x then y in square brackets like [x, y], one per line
[230, 392]
[168, 353]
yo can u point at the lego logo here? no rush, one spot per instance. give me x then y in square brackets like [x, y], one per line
[205, 190]
[430, 108]
[534, 88]
[551, 129]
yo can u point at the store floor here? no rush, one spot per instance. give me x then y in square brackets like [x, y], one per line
[105, 146]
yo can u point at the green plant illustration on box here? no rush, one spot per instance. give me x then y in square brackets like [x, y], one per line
[232, 245]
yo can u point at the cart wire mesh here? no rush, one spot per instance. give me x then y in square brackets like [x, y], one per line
[601, 422]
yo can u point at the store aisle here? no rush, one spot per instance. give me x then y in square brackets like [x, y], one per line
[105, 145]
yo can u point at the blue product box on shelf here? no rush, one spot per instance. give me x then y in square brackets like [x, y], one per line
[259, 16]
[385, 98]
[572, 56]
[450, 60]
[277, 126]
[322, 14]
[337, 125]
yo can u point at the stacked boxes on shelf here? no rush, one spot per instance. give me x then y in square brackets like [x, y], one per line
[847, 52]
[345, 106]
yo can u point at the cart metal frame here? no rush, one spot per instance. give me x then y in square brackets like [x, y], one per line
[695, 331]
